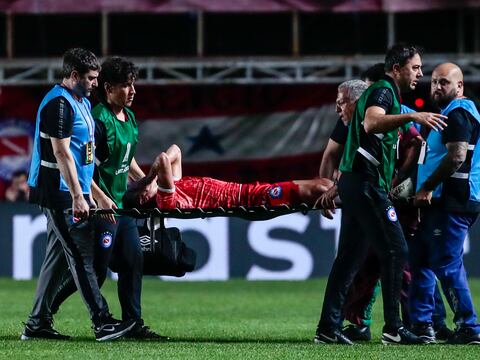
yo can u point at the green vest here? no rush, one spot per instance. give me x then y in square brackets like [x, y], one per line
[371, 154]
[122, 138]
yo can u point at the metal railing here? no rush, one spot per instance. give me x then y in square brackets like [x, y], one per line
[161, 71]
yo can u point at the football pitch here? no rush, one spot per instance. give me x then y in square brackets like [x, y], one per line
[208, 320]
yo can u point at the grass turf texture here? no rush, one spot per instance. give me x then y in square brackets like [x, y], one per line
[211, 320]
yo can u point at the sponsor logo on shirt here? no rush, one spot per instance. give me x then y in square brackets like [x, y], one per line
[106, 239]
[275, 192]
[391, 214]
[122, 170]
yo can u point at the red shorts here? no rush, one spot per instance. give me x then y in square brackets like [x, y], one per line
[208, 193]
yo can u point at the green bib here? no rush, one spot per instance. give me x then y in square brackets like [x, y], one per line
[372, 154]
[122, 138]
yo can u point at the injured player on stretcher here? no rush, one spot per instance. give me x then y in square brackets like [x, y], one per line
[165, 188]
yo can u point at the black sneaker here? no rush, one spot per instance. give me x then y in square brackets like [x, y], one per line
[111, 329]
[44, 331]
[331, 337]
[357, 333]
[401, 337]
[465, 336]
[141, 332]
[443, 334]
[424, 331]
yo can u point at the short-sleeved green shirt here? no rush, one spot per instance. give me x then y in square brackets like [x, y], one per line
[121, 138]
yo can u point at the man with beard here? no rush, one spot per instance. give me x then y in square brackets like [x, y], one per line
[368, 216]
[60, 177]
[448, 188]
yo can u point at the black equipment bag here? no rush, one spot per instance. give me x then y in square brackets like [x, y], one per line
[169, 255]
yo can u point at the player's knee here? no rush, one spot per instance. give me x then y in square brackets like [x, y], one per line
[174, 152]
[163, 159]
[175, 148]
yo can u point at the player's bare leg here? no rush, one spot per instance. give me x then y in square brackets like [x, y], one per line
[163, 167]
[175, 156]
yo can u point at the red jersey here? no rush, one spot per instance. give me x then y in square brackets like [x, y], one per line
[207, 193]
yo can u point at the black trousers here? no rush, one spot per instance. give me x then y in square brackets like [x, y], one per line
[116, 246]
[123, 256]
[68, 262]
[368, 218]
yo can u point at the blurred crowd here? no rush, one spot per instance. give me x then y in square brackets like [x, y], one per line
[15, 190]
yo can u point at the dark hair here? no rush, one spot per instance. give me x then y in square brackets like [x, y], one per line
[400, 54]
[80, 60]
[131, 198]
[374, 72]
[115, 70]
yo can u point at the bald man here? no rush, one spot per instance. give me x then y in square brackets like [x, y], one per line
[448, 190]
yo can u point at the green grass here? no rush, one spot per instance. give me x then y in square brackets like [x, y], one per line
[221, 320]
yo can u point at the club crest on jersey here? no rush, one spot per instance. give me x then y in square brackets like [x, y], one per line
[106, 240]
[391, 214]
[275, 192]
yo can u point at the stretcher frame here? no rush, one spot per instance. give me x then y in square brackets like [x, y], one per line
[253, 213]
